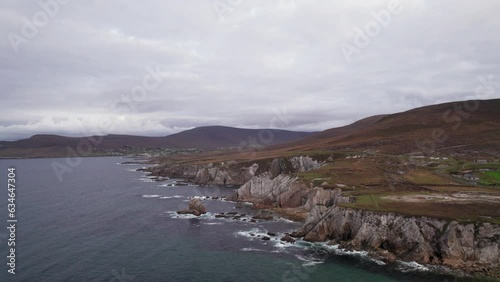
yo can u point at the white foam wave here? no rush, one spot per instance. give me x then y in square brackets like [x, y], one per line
[405, 266]
[285, 220]
[252, 250]
[172, 197]
[254, 233]
[145, 179]
[309, 261]
[338, 251]
[212, 223]
[151, 196]
[174, 214]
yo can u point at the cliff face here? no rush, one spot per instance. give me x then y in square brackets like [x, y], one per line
[225, 176]
[472, 247]
[231, 174]
[207, 174]
[285, 191]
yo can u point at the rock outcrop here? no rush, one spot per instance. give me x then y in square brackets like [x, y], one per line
[196, 207]
[305, 163]
[281, 191]
[207, 174]
[284, 191]
[233, 174]
[471, 247]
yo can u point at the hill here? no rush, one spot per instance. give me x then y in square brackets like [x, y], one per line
[458, 126]
[206, 138]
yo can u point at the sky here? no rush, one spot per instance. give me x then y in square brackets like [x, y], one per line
[157, 67]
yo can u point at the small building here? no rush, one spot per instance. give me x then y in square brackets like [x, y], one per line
[482, 161]
[471, 177]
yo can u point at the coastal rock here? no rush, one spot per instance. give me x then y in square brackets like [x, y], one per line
[305, 163]
[263, 215]
[196, 207]
[389, 236]
[206, 174]
[421, 239]
[321, 197]
[288, 239]
[282, 190]
[277, 167]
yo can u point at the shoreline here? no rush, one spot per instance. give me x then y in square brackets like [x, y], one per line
[304, 212]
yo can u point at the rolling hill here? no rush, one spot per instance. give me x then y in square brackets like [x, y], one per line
[209, 137]
[465, 125]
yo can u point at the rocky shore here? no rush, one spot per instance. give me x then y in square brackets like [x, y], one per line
[471, 247]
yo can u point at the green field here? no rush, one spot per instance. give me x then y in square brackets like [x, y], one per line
[490, 178]
[462, 212]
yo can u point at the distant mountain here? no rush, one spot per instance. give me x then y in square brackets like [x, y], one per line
[464, 125]
[208, 137]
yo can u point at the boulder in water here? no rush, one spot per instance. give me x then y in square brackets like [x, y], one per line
[196, 207]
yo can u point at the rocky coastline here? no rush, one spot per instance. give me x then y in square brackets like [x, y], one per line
[469, 247]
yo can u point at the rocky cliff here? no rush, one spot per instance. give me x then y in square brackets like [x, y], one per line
[471, 247]
[207, 174]
[284, 191]
[232, 173]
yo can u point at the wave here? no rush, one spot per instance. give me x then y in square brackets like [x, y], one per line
[212, 223]
[174, 214]
[172, 197]
[309, 261]
[142, 179]
[252, 250]
[285, 220]
[151, 196]
[405, 266]
[133, 170]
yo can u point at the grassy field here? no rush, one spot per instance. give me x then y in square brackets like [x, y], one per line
[463, 212]
[385, 183]
[490, 178]
[423, 176]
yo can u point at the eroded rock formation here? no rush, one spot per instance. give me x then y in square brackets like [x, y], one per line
[471, 247]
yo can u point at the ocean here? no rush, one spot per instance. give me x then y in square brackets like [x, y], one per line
[107, 222]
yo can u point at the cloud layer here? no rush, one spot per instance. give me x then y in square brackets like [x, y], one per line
[157, 67]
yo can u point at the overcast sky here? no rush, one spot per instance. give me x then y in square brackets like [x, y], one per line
[291, 64]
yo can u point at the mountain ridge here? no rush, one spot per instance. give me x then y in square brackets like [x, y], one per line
[206, 138]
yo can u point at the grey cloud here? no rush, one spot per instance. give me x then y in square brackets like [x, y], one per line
[263, 61]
